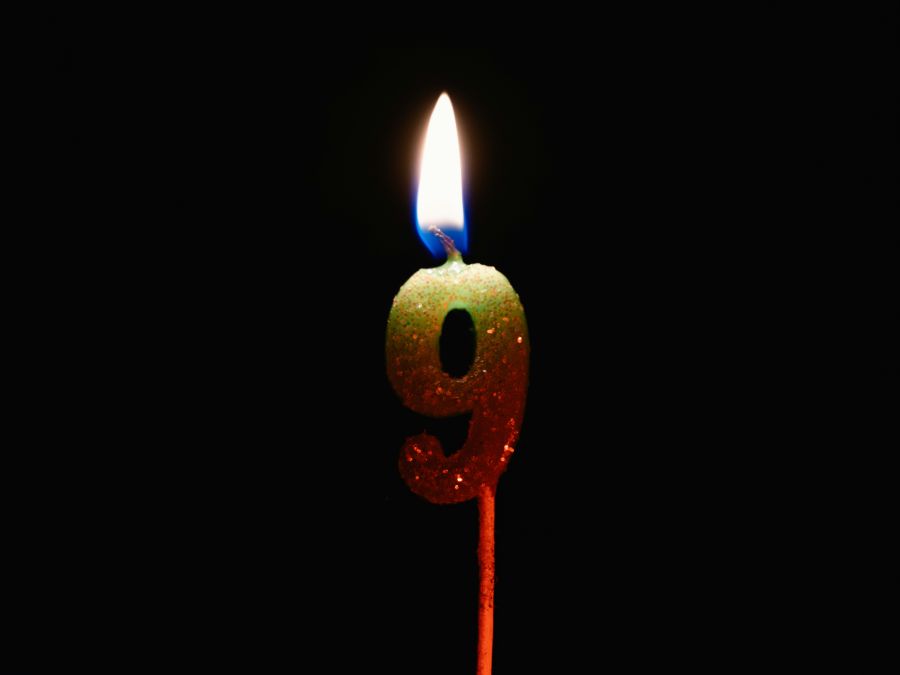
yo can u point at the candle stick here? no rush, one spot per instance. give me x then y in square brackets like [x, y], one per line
[494, 388]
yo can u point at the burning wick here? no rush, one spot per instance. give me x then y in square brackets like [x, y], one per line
[446, 241]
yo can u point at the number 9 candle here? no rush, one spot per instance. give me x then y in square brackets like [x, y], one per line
[494, 388]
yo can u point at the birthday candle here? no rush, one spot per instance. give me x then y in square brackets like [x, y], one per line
[494, 388]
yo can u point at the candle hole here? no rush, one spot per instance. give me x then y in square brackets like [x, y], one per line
[457, 343]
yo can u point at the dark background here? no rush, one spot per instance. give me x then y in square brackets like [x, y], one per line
[220, 481]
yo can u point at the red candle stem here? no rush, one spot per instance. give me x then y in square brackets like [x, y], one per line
[486, 579]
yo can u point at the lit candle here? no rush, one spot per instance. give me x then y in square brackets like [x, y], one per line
[493, 389]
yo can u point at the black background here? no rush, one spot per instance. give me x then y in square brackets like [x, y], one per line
[220, 481]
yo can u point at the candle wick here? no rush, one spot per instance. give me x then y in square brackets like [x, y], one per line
[447, 242]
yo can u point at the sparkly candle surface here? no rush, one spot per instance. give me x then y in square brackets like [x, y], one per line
[493, 390]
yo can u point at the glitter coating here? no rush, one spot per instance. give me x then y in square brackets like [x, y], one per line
[493, 390]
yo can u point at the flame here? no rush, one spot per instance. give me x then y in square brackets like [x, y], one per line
[440, 201]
